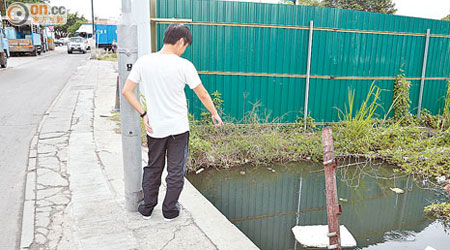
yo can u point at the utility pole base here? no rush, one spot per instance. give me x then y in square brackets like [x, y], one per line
[132, 200]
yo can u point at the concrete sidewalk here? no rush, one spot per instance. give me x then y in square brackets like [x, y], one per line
[75, 196]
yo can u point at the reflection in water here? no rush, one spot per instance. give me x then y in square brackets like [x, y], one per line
[263, 204]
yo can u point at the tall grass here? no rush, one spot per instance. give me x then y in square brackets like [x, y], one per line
[354, 128]
[362, 119]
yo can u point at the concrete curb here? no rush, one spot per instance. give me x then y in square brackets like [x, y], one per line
[29, 206]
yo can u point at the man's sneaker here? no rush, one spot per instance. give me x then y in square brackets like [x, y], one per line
[179, 214]
[139, 208]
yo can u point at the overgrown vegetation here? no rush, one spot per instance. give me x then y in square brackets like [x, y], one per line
[106, 56]
[440, 211]
[252, 143]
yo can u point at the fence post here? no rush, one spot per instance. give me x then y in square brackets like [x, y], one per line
[308, 70]
[424, 69]
[297, 216]
[153, 41]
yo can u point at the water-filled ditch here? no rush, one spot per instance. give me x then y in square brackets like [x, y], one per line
[262, 202]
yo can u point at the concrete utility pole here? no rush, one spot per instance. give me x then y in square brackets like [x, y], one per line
[130, 120]
[93, 43]
[93, 23]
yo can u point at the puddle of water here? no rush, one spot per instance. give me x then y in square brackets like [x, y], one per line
[263, 203]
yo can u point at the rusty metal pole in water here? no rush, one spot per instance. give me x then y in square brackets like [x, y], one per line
[333, 208]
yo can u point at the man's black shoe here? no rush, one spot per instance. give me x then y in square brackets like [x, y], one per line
[141, 208]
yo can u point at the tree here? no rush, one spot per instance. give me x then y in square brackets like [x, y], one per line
[380, 6]
[73, 24]
[302, 2]
[72, 29]
[310, 2]
[447, 18]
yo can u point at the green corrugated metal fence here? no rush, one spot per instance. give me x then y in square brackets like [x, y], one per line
[257, 53]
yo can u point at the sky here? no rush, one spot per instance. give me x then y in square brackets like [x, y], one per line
[102, 8]
[435, 9]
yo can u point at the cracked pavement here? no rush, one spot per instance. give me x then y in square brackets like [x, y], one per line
[28, 86]
[75, 192]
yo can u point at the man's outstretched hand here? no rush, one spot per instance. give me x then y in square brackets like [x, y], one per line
[217, 120]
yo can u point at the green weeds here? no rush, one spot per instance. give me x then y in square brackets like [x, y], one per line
[402, 101]
[251, 141]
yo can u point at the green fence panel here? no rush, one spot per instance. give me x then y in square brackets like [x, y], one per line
[223, 53]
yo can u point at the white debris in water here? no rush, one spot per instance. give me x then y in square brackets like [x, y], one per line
[440, 179]
[397, 190]
[316, 236]
[199, 171]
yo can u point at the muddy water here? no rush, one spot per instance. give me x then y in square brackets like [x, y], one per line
[262, 202]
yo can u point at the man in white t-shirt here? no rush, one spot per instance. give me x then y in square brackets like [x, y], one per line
[162, 77]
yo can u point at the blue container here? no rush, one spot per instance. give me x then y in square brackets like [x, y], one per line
[36, 39]
[10, 33]
[106, 34]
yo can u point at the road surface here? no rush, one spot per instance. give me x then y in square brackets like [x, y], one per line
[27, 88]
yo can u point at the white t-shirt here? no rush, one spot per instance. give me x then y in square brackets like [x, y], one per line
[162, 79]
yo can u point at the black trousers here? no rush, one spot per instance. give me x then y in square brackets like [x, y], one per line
[175, 148]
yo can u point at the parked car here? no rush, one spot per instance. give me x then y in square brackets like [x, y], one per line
[58, 42]
[65, 40]
[77, 44]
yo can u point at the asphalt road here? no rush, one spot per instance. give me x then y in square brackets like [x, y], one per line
[27, 88]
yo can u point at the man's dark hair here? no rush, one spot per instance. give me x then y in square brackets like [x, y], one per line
[175, 32]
